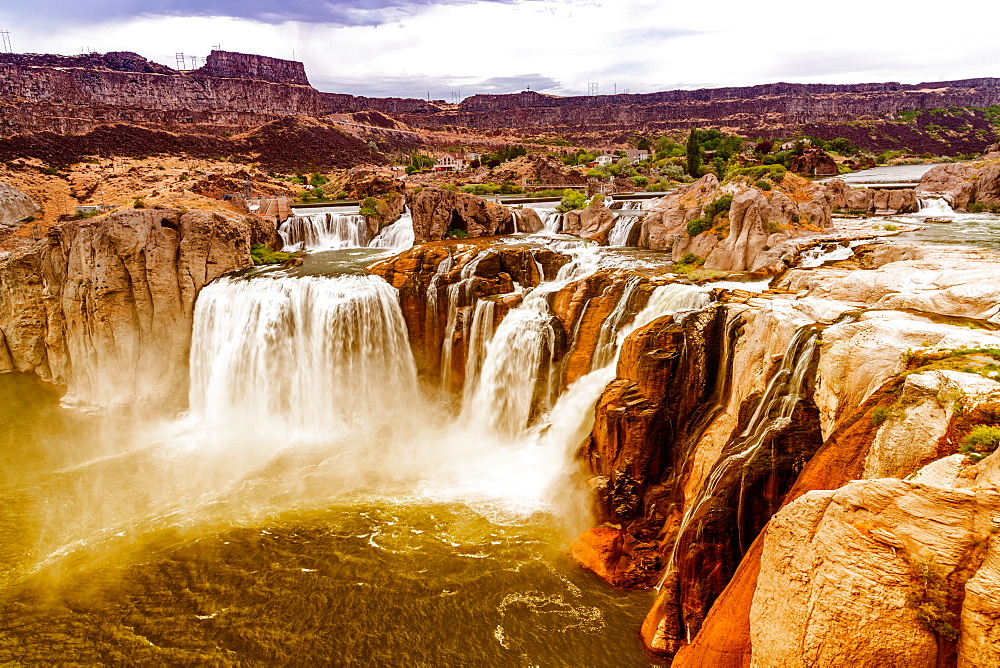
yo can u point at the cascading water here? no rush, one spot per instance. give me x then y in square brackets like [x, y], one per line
[934, 207]
[771, 414]
[395, 236]
[552, 221]
[310, 355]
[624, 225]
[324, 231]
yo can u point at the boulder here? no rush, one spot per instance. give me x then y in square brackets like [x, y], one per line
[436, 211]
[593, 222]
[15, 206]
[815, 162]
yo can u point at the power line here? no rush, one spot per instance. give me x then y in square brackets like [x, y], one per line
[5, 35]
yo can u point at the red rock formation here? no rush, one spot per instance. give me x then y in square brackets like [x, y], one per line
[436, 211]
[814, 162]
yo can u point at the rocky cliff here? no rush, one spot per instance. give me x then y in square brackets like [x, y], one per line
[15, 207]
[74, 95]
[963, 184]
[104, 307]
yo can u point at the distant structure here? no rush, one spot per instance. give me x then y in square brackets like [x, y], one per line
[592, 88]
[250, 66]
[5, 41]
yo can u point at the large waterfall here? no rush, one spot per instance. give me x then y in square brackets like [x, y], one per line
[311, 354]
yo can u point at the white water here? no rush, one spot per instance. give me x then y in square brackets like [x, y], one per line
[772, 413]
[308, 355]
[815, 257]
[324, 231]
[934, 207]
[396, 236]
[619, 234]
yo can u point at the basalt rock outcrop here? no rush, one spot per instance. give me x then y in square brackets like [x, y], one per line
[747, 235]
[814, 162]
[878, 399]
[105, 306]
[871, 200]
[593, 222]
[438, 212]
[15, 206]
[962, 184]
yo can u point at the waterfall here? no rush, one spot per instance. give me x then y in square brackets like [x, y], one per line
[552, 221]
[395, 236]
[324, 231]
[934, 207]
[313, 355]
[771, 414]
[620, 233]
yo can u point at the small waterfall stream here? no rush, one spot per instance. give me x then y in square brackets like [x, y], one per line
[324, 231]
[624, 225]
[934, 207]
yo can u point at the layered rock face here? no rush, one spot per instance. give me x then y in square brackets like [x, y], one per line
[104, 307]
[865, 563]
[748, 235]
[15, 206]
[871, 200]
[962, 184]
[437, 211]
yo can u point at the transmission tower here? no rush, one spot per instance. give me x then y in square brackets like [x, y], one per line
[181, 61]
[592, 88]
[5, 36]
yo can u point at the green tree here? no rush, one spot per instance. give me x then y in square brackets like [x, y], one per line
[693, 153]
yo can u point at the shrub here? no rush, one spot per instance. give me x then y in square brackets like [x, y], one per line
[673, 172]
[138, 203]
[640, 181]
[572, 199]
[369, 207]
[699, 225]
[690, 258]
[455, 233]
[772, 227]
[980, 442]
[261, 254]
[975, 207]
[880, 415]
[763, 185]
[892, 228]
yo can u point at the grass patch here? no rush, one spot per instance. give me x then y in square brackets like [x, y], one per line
[261, 254]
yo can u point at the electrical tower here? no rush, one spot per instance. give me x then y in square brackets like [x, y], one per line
[5, 36]
[181, 61]
[592, 88]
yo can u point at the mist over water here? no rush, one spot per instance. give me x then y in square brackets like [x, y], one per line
[313, 459]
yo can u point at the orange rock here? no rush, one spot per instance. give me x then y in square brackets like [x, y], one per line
[600, 550]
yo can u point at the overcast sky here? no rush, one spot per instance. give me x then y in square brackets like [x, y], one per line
[443, 48]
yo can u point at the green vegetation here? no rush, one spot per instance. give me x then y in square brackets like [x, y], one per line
[505, 188]
[503, 155]
[694, 153]
[763, 185]
[418, 162]
[138, 203]
[572, 199]
[369, 207]
[891, 228]
[711, 211]
[981, 441]
[880, 415]
[974, 207]
[776, 173]
[455, 233]
[261, 254]
[928, 595]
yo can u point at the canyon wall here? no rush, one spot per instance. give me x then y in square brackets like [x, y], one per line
[77, 94]
[104, 307]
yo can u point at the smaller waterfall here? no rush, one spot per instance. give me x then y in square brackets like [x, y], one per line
[395, 236]
[934, 207]
[552, 221]
[624, 225]
[324, 231]
[771, 414]
[816, 257]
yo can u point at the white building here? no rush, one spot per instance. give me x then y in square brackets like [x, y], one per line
[450, 162]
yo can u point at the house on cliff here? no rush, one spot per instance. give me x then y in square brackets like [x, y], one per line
[451, 162]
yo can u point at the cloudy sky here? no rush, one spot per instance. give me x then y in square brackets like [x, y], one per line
[443, 48]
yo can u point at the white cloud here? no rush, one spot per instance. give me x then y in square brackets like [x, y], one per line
[639, 45]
